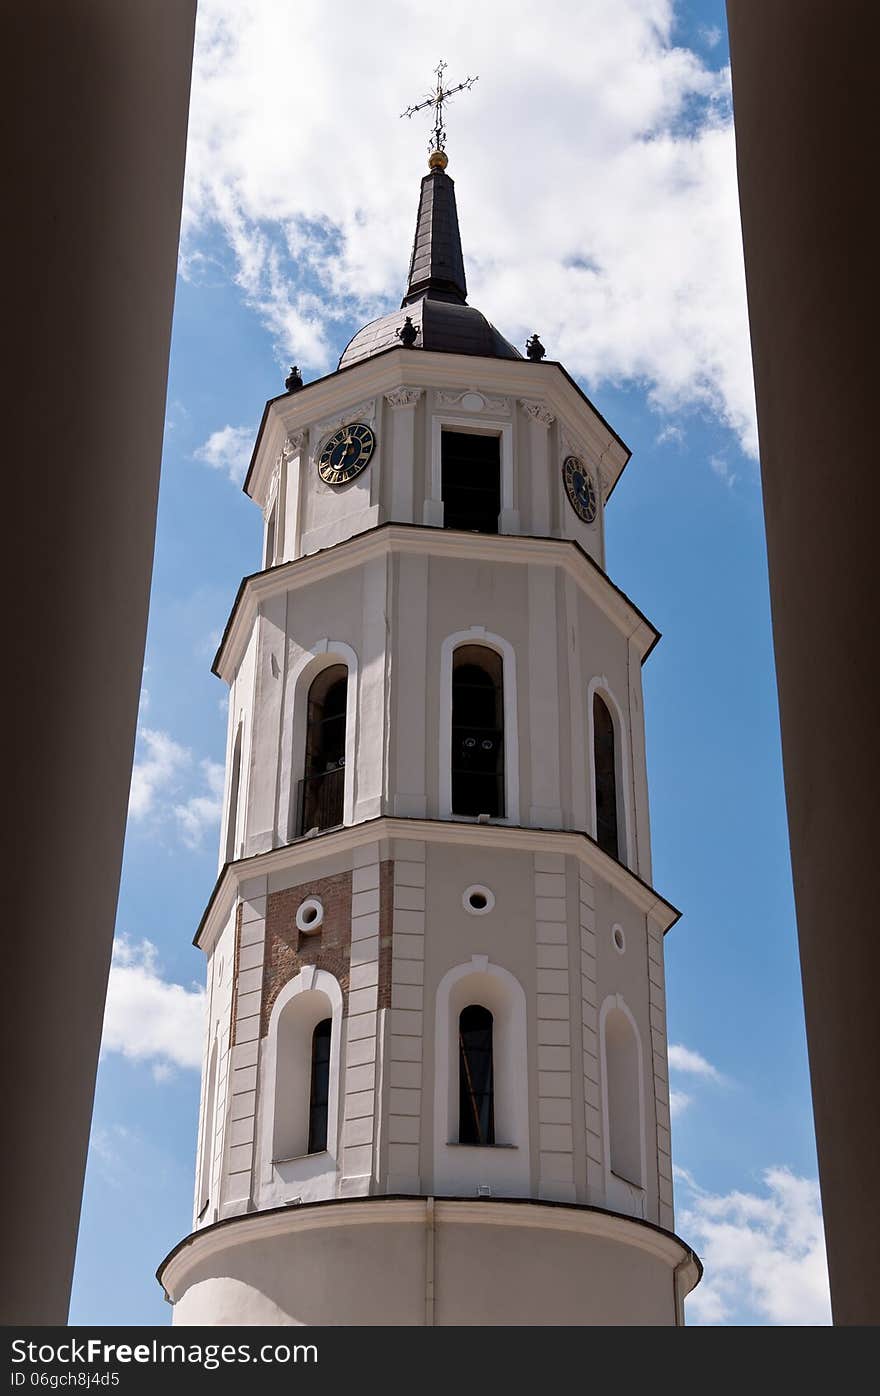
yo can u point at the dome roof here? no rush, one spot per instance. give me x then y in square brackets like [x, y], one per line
[442, 326]
[436, 292]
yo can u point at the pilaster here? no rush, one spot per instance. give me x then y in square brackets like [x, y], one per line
[556, 1179]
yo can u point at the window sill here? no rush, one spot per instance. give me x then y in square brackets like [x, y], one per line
[457, 1144]
[628, 1181]
[299, 1158]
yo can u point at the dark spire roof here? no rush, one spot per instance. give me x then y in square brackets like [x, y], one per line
[436, 291]
[436, 268]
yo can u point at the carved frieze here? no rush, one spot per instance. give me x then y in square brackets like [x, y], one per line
[403, 397]
[472, 400]
[360, 412]
[538, 411]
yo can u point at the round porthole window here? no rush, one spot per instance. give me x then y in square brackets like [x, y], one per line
[617, 939]
[309, 916]
[478, 900]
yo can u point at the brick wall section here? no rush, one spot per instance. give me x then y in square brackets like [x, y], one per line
[288, 950]
[386, 912]
[234, 1007]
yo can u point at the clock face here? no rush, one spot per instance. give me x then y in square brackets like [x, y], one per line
[580, 488]
[346, 454]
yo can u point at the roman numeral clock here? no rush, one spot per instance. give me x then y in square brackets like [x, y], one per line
[346, 453]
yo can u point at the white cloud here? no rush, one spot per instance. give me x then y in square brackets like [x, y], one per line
[710, 35]
[596, 183]
[764, 1254]
[156, 770]
[149, 1018]
[201, 813]
[721, 468]
[162, 788]
[670, 433]
[686, 1060]
[229, 450]
[107, 1147]
[678, 1102]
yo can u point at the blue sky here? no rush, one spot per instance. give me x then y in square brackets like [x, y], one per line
[611, 228]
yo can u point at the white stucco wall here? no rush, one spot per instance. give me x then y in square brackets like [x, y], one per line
[568, 931]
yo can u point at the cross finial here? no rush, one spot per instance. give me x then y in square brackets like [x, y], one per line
[437, 144]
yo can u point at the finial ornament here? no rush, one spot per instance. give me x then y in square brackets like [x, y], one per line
[535, 349]
[437, 157]
[407, 334]
[293, 379]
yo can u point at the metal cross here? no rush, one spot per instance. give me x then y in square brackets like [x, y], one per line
[436, 99]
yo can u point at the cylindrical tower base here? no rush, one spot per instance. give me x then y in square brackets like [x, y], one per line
[420, 1261]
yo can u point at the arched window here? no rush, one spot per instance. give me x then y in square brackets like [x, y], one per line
[605, 766]
[477, 731]
[234, 784]
[476, 1085]
[322, 788]
[271, 528]
[303, 1050]
[624, 1097]
[208, 1136]
[320, 1092]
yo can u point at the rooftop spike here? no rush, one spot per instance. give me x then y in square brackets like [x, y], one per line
[436, 268]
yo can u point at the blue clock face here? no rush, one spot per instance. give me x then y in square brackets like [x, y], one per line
[346, 454]
[580, 489]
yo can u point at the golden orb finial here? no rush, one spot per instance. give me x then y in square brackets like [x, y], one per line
[438, 160]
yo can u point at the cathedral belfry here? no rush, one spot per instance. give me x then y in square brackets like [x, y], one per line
[435, 1086]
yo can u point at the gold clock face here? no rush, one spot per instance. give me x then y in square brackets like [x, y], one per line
[346, 454]
[580, 489]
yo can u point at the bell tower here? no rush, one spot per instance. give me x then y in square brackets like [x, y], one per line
[435, 1084]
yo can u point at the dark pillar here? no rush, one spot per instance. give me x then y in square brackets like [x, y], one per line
[805, 108]
[97, 93]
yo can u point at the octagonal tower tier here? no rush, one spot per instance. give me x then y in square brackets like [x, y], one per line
[435, 1086]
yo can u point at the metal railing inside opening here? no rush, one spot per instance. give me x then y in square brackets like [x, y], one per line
[320, 800]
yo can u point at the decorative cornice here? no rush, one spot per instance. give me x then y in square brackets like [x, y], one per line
[588, 1222]
[472, 400]
[439, 372]
[456, 833]
[293, 444]
[438, 542]
[538, 411]
[360, 412]
[403, 397]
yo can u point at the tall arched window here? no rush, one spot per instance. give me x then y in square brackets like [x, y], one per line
[320, 1092]
[477, 731]
[476, 1084]
[605, 766]
[322, 788]
[208, 1136]
[304, 1049]
[624, 1097]
[234, 784]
